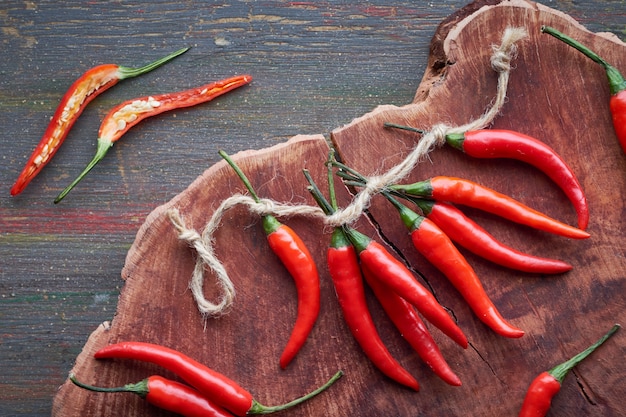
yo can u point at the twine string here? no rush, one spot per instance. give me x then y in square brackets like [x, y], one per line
[204, 244]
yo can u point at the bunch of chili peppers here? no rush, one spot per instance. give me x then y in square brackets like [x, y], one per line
[208, 393]
[353, 259]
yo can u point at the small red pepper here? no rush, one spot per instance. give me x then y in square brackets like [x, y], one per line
[469, 234]
[91, 84]
[494, 143]
[297, 259]
[469, 193]
[547, 384]
[617, 83]
[343, 266]
[412, 328]
[127, 114]
[213, 385]
[439, 250]
[168, 395]
[386, 268]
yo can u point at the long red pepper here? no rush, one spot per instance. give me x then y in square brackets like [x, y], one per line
[213, 385]
[168, 395]
[469, 193]
[469, 234]
[412, 328]
[297, 259]
[547, 384]
[91, 84]
[343, 266]
[386, 268]
[498, 143]
[617, 83]
[439, 250]
[127, 114]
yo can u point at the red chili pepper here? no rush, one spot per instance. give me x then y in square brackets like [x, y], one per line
[617, 84]
[412, 328]
[395, 275]
[493, 143]
[547, 384]
[213, 385]
[437, 247]
[168, 395]
[91, 84]
[294, 254]
[125, 115]
[343, 266]
[467, 233]
[469, 193]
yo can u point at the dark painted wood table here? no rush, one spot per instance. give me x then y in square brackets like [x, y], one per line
[317, 66]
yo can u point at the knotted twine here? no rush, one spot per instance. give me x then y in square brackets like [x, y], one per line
[204, 243]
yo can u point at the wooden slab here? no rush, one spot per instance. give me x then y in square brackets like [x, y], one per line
[555, 95]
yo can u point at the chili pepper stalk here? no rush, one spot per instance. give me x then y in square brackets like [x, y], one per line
[617, 83]
[498, 143]
[213, 385]
[86, 88]
[167, 395]
[124, 116]
[297, 259]
[547, 384]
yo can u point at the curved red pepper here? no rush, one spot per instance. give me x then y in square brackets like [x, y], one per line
[396, 276]
[439, 250]
[90, 85]
[295, 256]
[343, 266]
[617, 83]
[168, 395]
[495, 143]
[469, 234]
[213, 385]
[293, 253]
[412, 328]
[547, 384]
[127, 114]
[469, 193]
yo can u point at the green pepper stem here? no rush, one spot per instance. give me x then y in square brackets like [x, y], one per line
[560, 371]
[617, 82]
[140, 388]
[101, 150]
[404, 127]
[258, 408]
[241, 175]
[126, 72]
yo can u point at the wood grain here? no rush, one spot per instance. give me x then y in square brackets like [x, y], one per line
[156, 306]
